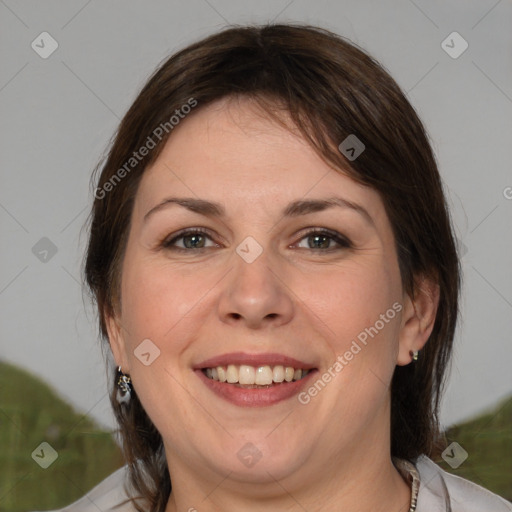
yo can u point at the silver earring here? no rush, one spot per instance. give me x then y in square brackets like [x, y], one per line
[124, 387]
[415, 355]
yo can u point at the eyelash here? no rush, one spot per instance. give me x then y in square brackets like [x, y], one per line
[342, 241]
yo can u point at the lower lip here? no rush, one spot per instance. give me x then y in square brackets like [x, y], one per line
[255, 397]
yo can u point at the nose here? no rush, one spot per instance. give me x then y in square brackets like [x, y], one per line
[255, 295]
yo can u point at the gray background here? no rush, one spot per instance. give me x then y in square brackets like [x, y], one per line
[57, 115]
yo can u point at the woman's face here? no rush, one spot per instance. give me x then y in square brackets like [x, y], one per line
[246, 252]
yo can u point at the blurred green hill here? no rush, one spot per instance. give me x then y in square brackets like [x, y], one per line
[488, 441]
[31, 413]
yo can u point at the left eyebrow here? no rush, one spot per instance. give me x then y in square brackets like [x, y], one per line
[294, 209]
[303, 207]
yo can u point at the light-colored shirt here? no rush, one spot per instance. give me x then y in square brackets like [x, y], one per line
[439, 491]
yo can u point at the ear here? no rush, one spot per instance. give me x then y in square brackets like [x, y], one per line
[418, 318]
[116, 339]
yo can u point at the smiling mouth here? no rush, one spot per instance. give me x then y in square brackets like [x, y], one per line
[253, 377]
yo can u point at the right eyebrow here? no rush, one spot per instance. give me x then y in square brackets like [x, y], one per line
[201, 206]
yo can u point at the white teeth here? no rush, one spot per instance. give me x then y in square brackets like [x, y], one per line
[278, 374]
[263, 376]
[231, 374]
[221, 372]
[247, 375]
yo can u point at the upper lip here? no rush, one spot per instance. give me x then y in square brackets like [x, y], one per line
[256, 360]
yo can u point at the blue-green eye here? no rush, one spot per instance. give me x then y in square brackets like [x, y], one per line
[319, 240]
[324, 240]
[189, 239]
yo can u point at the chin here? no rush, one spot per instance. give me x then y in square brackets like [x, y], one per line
[259, 462]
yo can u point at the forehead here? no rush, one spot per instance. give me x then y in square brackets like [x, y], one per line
[233, 150]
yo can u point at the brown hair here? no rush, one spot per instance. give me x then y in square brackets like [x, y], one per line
[331, 89]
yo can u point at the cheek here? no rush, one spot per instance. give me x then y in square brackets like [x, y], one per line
[354, 299]
[160, 303]
[157, 298]
[363, 344]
